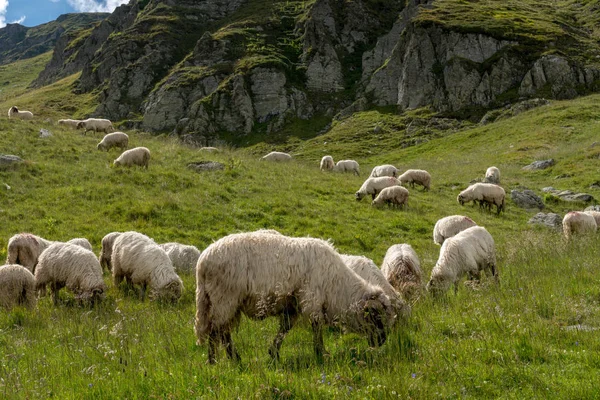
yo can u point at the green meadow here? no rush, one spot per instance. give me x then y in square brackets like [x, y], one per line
[533, 336]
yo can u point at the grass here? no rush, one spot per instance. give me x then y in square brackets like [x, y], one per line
[517, 340]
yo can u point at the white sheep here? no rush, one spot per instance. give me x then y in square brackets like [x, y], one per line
[492, 175]
[384, 170]
[106, 251]
[96, 125]
[578, 222]
[264, 274]
[347, 166]
[595, 214]
[17, 287]
[485, 193]
[402, 269]
[183, 257]
[25, 249]
[71, 123]
[449, 226]
[276, 156]
[136, 156]
[140, 261]
[70, 265]
[210, 149]
[83, 242]
[327, 163]
[418, 176]
[468, 252]
[14, 112]
[115, 139]
[373, 186]
[392, 195]
[370, 272]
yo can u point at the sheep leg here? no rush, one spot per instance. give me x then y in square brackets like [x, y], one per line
[213, 342]
[228, 343]
[373, 195]
[318, 345]
[143, 291]
[455, 288]
[55, 288]
[286, 322]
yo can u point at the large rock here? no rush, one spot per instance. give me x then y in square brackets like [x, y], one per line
[569, 195]
[9, 161]
[541, 164]
[550, 220]
[526, 199]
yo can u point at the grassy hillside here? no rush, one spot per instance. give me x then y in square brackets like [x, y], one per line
[515, 341]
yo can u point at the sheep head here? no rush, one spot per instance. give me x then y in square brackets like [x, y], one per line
[438, 286]
[80, 125]
[359, 196]
[461, 199]
[171, 292]
[375, 317]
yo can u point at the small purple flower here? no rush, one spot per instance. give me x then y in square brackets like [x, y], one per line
[90, 385]
[413, 375]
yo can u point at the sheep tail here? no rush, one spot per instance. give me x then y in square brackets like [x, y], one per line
[203, 306]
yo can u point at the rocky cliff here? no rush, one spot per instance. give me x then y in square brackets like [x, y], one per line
[223, 68]
[19, 42]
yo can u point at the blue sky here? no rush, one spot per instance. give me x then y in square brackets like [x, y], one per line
[36, 12]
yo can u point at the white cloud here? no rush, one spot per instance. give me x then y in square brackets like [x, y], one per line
[3, 8]
[55, 1]
[93, 5]
[18, 21]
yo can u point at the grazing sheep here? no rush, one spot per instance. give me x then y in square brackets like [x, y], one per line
[384, 170]
[468, 252]
[14, 112]
[209, 149]
[96, 125]
[183, 257]
[136, 156]
[139, 260]
[327, 163]
[347, 166]
[107, 248]
[418, 176]
[595, 214]
[71, 123]
[25, 249]
[402, 269]
[17, 287]
[115, 139]
[392, 195]
[370, 272]
[83, 242]
[578, 222]
[70, 265]
[450, 226]
[373, 186]
[485, 193]
[276, 156]
[492, 175]
[262, 275]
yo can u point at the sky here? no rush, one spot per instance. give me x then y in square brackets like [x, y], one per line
[36, 12]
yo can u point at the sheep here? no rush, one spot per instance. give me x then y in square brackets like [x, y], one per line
[370, 272]
[450, 226]
[263, 274]
[210, 149]
[392, 195]
[183, 257]
[83, 242]
[25, 249]
[484, 193]
[492, 175]
[402, 269]
[373, 186]
[136, 156]
[96, 125]
[139, 260]
[578, 222]
[276, 156]
[107, 248]
[70, 265]
[17, 287]
[595, 214]
[418, 176]
[347, 166]
[327, 163]
[468, 252]
[384, 170]
[14, 112]
[71, 123]
[115, 139]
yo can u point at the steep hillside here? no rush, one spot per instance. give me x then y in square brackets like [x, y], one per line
[19, 42]
[534, 335]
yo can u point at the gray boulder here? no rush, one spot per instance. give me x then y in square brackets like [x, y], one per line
[542, 164]
[206, 166]
[550, 220]
[569, 195]
[527, 199]
[9, 161]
